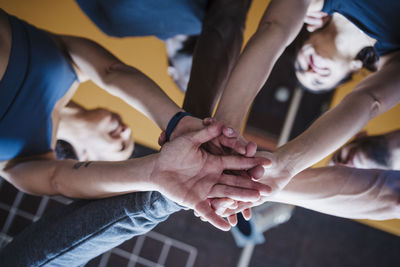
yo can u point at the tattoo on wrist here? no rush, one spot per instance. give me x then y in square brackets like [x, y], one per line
[80, 164]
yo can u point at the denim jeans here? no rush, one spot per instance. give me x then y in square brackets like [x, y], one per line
[74, 234]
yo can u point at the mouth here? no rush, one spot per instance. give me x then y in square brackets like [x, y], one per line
[324, 72]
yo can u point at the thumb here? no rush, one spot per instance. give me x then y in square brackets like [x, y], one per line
[206, 134]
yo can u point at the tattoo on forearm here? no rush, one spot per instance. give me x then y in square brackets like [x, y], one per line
[80, 164]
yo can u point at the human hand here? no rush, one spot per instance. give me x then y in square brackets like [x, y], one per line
[275, 175]
[189, 175]
[316, 20]
[229, 142]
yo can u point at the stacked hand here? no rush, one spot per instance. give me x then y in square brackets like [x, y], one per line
[271, 174]
[188, 174]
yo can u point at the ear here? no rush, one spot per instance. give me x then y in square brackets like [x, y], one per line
[356, 65]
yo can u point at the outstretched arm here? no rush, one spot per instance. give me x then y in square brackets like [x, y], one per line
[119, 79]
[182, 171]
[279, 26]
[339, 191]
[372, 97]
[345, 192]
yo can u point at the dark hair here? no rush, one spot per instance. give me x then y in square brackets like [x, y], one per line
[65, 150]
[368, 57]
[375, 147]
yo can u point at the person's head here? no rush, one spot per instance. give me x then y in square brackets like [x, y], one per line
[96, 134]
[369, 152]
[332, 54]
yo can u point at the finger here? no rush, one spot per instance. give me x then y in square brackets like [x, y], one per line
[221, 204]
[232, 219]
[208, 121]
[247, 214]
[241, 206]
[257, 172]
[251, 149]
[204, 209]
[162, 139]
[242, 163]
[234, 193]
[229, 132]
[243, 182]
[206, 134]
[233, 143]
[316, 22]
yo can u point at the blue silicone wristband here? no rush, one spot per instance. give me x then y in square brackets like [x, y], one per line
[174, 121]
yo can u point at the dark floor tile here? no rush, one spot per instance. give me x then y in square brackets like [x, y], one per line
[176, 257]
[116, 260]
[18, 225]
[128, 245]
[3, 217]
[151, 249]
[7, 193]
[94, 262]
[30, 204]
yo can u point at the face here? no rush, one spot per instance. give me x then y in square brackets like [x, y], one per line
[102, 135]
[369, 152]
[327, 57]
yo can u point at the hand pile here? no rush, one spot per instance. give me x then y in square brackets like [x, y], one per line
[207, 167]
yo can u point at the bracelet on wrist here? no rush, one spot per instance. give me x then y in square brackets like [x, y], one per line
[174, 122]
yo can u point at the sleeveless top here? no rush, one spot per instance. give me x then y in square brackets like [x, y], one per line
[160, 18]
[37, 76]
[379, 19]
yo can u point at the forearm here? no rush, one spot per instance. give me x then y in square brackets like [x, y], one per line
[216, 52]
[372, 97]
[140, 92]
[84, 179]
[345, 192]
[274, 33]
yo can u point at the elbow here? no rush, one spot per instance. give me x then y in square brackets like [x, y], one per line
[370, 101]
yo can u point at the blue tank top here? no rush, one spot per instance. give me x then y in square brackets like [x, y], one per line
[160, 18]
[37, 76]
[379, 19]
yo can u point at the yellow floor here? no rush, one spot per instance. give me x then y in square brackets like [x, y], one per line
[148, 54]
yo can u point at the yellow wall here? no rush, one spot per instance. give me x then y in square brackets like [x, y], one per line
[148, 55]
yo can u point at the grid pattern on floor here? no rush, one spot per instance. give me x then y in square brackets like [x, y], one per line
[19, 210]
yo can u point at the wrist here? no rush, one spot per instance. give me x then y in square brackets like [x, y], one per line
[185, 125]
[157, 175]
[174, 121]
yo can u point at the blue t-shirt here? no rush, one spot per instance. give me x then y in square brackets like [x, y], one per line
[379, 19]
[160, 18]
[37, 76]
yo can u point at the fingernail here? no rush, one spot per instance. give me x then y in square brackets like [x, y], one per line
[229, 131]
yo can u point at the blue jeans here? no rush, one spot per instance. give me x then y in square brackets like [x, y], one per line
[74, 234]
